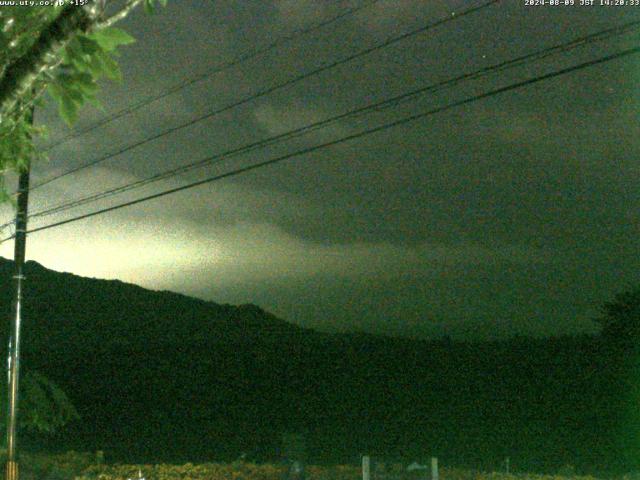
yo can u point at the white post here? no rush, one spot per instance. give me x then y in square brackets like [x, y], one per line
[434, 468]
[366, 467]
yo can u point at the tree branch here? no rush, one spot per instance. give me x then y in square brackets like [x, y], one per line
[19, 76]
[119, 15]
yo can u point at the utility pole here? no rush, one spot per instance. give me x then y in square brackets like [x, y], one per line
[11, 472]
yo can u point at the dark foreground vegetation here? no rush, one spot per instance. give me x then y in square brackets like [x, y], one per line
[78, 466]
[160, 377]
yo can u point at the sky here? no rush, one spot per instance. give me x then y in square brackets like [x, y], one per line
[516, 214]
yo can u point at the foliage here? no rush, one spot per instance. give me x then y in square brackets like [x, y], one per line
[16, 148]
[63, 466]
[44, 407]
[77, 466]
[620, 318]
[149, 5]
[70, 74]
[86, 59]
[215, 471]
[175, 378]
[20, 29]
[249, 471]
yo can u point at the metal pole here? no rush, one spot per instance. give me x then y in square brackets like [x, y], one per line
[366, 467]
[434, 468]
[14, 342]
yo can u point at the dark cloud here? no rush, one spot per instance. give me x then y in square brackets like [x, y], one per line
[514, 214]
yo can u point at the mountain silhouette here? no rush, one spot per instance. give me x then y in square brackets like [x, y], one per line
[160, 376]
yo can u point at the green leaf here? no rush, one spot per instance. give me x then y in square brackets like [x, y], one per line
[82, 82]
[55, 91]
[111, 38]
[88, 45]
[5, 197]
[95, 102]
[96, 66]
[148, 7]
[111, 67]
[74, 94]
[68, 110]
[73, 52]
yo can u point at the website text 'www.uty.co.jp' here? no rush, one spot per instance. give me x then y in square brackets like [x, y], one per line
[41, 3]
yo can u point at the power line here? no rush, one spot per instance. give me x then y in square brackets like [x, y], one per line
[599, 36]
[519, 61]
[261, 93]
[244, 57]
[344, 139]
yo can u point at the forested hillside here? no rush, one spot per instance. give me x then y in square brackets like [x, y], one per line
[158, 376]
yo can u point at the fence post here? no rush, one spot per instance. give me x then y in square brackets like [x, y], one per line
[366, 467]
[506, 464]
[434, 468]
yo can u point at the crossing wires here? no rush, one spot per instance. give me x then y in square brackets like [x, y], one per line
[364, 110]
[242, 58]
[276, 87]
[344, 139]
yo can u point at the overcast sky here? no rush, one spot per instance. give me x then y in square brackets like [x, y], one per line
[515, 214]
